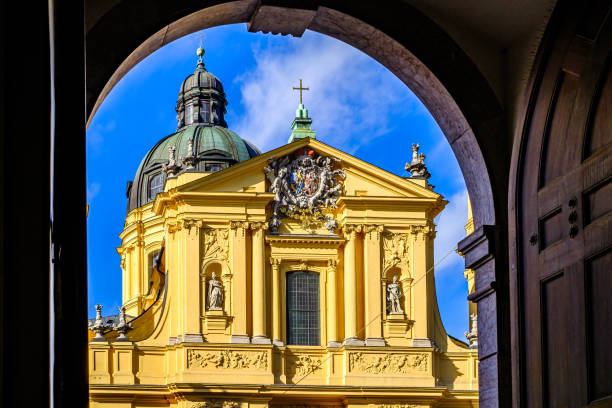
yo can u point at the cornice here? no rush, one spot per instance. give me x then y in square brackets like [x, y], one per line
[174, 198]
[331, 240]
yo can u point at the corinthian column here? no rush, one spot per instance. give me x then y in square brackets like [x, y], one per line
[350, 286]
[259, 284]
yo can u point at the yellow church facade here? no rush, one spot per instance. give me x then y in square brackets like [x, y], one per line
[301, 277]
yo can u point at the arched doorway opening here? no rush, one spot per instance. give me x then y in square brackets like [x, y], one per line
[416, 50]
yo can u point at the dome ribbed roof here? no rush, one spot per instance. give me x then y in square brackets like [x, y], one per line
[200, 109]
[200, 79]
[212, 146]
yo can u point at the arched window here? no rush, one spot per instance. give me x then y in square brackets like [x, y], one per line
[204, 112]
[151, 264]
[189, 115]
[156, 185]
[303, 308]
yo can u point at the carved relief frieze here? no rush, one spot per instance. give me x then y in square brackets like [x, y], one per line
[305, 365]
[215, 244]
[396, 247]
[388, 363]
[216, 403]
[306, 187]
[227, 359]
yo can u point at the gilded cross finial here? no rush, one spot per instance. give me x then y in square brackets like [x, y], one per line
[300, 88]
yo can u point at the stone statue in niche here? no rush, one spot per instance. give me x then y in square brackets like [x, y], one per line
[394, 296]
[215, 293]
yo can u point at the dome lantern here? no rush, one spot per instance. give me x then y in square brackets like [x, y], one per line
[202, 142]
[201, 98]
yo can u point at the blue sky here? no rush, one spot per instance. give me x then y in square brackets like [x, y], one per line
[357, 106]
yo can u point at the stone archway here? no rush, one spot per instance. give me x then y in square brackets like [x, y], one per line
[411, 46]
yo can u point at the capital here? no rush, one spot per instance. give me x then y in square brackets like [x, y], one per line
[332, 265]
[275, 262]
[350, 230]
[373, 230]
[256, 226]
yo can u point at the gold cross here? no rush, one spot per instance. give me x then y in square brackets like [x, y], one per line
[301, 89]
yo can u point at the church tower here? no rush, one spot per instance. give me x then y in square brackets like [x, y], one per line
[301, 276]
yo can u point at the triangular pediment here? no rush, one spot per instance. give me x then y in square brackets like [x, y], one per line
[362, 179]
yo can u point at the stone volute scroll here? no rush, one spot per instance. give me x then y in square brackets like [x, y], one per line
[417, 165]
[215, 293]
[306, 187]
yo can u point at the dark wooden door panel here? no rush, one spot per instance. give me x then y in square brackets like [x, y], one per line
[555, 149]
[555, 348]
[565, 218]
[599, 316]
[598, 133]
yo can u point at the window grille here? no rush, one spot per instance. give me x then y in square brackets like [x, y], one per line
[156, 185]
[303, 308]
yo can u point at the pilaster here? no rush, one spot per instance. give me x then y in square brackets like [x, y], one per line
[373, 300]
[276, 301]
[332, 304]
[240, 297]
[190, 281]
[351, 233]
[423, 286]
[259, 284]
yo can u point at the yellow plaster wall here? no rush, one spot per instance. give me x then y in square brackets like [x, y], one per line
[187, 355]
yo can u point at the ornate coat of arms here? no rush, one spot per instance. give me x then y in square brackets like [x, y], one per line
[305, 186]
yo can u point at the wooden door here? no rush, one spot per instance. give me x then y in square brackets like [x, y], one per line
[564, 198]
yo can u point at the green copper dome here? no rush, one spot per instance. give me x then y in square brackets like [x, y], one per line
[202, 142]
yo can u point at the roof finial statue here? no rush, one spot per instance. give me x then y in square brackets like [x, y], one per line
[300, 88]
[417, 166]
[98, 326]
[122, 327]
[200, 52]
[300, 128]
[472, 335]
[172, 167]
[190, 160]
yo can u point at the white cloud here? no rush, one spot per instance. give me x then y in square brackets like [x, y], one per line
[96, 133]
[451, 229]
[349, 100]
[92, 190]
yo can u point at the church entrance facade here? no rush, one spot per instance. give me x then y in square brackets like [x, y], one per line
[301, 276]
